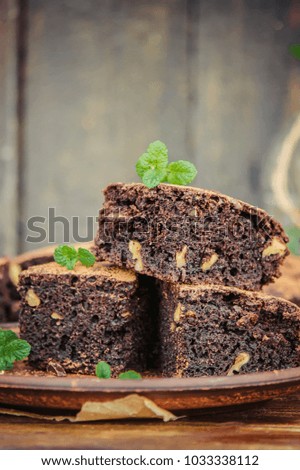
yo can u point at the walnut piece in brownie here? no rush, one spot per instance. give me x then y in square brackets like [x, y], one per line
[80, 317]
[189, 235]
[214, 330]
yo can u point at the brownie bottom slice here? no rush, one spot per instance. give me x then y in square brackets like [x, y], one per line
[11, 268]
[78, 318]
[214, 330]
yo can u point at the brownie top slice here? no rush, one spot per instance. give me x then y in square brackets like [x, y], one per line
[189, 235]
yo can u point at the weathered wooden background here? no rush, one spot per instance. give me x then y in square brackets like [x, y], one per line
[85, 85]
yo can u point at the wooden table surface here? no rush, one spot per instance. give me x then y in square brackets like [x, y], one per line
[268, 425]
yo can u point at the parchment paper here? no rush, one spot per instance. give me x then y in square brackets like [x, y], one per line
[131, 406]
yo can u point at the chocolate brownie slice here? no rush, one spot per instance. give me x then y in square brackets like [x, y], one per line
[15, 266]
[288, 285]
[77, 318]
[214, 330]
[190, 235]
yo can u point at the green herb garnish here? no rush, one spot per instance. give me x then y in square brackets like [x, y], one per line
[181, 172]
[103, 370]
[86, 257]
[294, 50]
[12, 349]
[153, 167]
[294, 236]
[130, 374]
[68, 256]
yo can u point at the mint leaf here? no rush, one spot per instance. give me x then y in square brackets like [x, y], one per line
[158, 150]
[66, 256]
[294, 50]
[294, 236]
[181, 172]
[86, 257]
[6, 336]
[152, 178]
[130, 374]
[12, 349]
[151, 161]
[103, 370]
[143, 164]
[17, 350]
[151, 166]
[5, 365]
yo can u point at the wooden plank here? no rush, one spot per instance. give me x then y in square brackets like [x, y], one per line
[269, 425]
[8, 127]
[105, 78]
[238, 78]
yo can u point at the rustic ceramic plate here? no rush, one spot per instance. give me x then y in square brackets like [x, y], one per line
[70, 392]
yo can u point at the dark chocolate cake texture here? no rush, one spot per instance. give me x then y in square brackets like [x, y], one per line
[11, 269]
[189, 235]
[80, 317]
[215, 330]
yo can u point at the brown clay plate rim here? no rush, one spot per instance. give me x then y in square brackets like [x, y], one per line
[86, 383]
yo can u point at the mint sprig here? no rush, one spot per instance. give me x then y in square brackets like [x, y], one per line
[68, 256]
[12, 349]
[153, 167]
[103, 371]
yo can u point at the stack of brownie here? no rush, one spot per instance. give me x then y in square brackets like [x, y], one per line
[184, 299]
